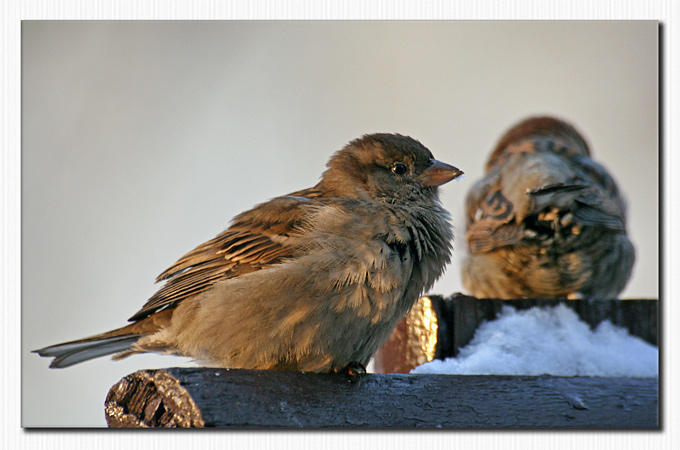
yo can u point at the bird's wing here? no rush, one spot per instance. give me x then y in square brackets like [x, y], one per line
[602, 205]
[534, 196]
[590, 205]
[255, 240]
[490, 217]
[586, 191]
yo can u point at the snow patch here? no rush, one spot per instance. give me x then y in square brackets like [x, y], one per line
[550, 341]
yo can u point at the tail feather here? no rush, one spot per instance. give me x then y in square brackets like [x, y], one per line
[71, 353]
[118, 341]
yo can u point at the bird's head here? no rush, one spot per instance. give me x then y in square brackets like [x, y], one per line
[386, 167]
[549, 133]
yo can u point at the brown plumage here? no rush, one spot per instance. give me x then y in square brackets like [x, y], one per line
[314, 280]
[546, 220]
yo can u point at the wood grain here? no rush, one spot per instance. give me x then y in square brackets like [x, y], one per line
[276, 399]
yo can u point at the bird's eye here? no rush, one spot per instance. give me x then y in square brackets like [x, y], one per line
[399, 168]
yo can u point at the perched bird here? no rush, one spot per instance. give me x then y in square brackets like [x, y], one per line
[312, 281]
[546, 220]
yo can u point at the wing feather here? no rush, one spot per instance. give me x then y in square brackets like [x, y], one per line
[255, 240]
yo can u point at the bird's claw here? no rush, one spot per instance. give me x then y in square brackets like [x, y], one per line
[354, 370]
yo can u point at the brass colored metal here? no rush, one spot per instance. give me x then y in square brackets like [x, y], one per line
[413, 342]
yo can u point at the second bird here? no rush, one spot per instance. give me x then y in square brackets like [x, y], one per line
[546, 220]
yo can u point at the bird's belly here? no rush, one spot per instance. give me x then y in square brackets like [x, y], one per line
[290, 321]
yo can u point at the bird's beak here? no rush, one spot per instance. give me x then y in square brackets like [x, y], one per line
[439, 173]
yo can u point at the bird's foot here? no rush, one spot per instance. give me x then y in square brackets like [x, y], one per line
[354, 370]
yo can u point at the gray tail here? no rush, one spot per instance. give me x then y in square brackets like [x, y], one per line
[71, 353]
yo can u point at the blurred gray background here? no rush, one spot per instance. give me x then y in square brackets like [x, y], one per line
[140, 140]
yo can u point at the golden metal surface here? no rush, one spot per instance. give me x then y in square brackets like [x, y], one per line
[422, 326]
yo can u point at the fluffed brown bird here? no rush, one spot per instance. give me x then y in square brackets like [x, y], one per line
[546, 220]
[314, 280]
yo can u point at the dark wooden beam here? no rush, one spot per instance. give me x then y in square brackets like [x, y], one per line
[274, 399]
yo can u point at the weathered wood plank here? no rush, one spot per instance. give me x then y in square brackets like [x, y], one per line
[265, 399]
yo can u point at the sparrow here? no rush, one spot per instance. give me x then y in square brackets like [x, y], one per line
[546, 220]
[315, 280]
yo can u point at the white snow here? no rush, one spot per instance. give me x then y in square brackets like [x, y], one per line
[551, 341]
